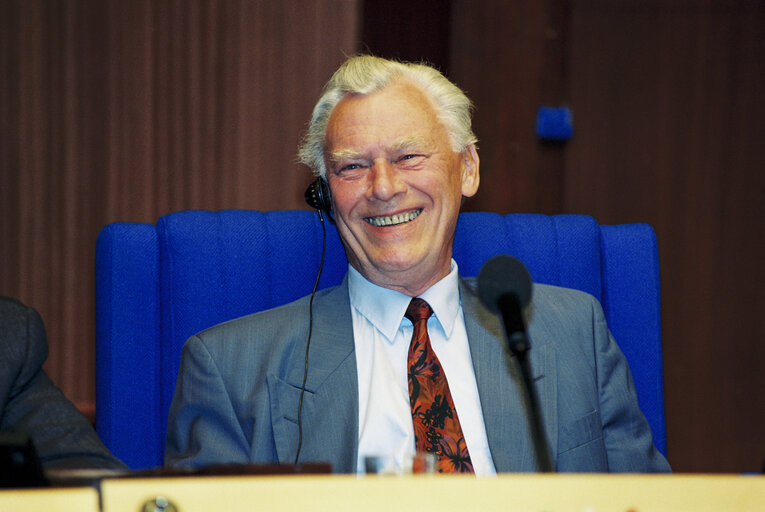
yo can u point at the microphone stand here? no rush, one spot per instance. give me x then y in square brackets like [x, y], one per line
[518, 344]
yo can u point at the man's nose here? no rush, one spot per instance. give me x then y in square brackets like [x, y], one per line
[385, 181]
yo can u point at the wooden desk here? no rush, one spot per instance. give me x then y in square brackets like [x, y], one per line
[80, 499]
[528, 493]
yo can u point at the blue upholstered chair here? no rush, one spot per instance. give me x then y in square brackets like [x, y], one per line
[158, 285]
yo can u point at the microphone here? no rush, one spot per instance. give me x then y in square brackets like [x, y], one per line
[504, 287]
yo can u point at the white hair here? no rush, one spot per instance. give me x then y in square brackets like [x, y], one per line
[366, 74]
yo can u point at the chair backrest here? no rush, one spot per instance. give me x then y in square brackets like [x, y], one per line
[158, 285]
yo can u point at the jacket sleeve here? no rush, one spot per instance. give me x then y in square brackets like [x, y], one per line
[626, 433]
[202, 425]
[32, 404]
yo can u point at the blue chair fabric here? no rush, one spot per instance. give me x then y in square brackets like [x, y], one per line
[158, 285]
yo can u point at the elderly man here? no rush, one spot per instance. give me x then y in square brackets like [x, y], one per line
[402, 356]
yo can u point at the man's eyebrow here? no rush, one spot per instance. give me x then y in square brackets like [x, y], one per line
[402, 145]
[344, 154]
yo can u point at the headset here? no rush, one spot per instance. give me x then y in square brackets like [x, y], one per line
[318, 196]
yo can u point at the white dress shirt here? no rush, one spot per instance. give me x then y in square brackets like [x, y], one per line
[382, 336]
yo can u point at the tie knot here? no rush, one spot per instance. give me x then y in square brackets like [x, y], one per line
[418, 310]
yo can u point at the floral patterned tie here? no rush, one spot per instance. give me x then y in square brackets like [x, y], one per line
[436, 425]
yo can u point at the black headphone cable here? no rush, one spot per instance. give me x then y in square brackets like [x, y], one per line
[308, 341]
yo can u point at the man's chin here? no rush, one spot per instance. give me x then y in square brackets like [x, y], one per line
[401, 273]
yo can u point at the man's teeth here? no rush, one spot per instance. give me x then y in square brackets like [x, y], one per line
[392, 220]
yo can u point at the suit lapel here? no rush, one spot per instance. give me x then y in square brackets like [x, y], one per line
[545, 377]
[329, 415]
[499, 383]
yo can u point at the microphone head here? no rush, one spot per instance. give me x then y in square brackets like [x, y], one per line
[503, 275]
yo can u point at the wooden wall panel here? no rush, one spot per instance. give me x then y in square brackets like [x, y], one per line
[508, 57]
[668, 106]
[409, 30]
[126, 110]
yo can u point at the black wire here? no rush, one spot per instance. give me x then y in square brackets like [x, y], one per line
[308, 341]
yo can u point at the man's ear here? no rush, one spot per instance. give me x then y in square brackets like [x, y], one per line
[470, 174]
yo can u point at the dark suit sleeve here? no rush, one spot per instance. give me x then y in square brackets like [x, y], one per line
[626, 433]
[32, 404]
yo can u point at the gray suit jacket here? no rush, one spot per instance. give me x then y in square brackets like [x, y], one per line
[31, 403]
[238, 389]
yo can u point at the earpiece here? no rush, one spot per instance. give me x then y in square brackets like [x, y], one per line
[318, 196]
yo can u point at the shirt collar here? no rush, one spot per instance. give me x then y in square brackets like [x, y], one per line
[385, 308]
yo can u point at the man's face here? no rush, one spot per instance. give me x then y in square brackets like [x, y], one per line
[396, 186]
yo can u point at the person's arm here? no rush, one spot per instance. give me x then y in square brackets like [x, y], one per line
[627, 435]
[202, 428]
[32, 404]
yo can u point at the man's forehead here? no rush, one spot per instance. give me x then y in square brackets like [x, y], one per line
[401, 91]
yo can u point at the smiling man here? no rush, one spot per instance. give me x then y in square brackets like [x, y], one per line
[403, 357]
